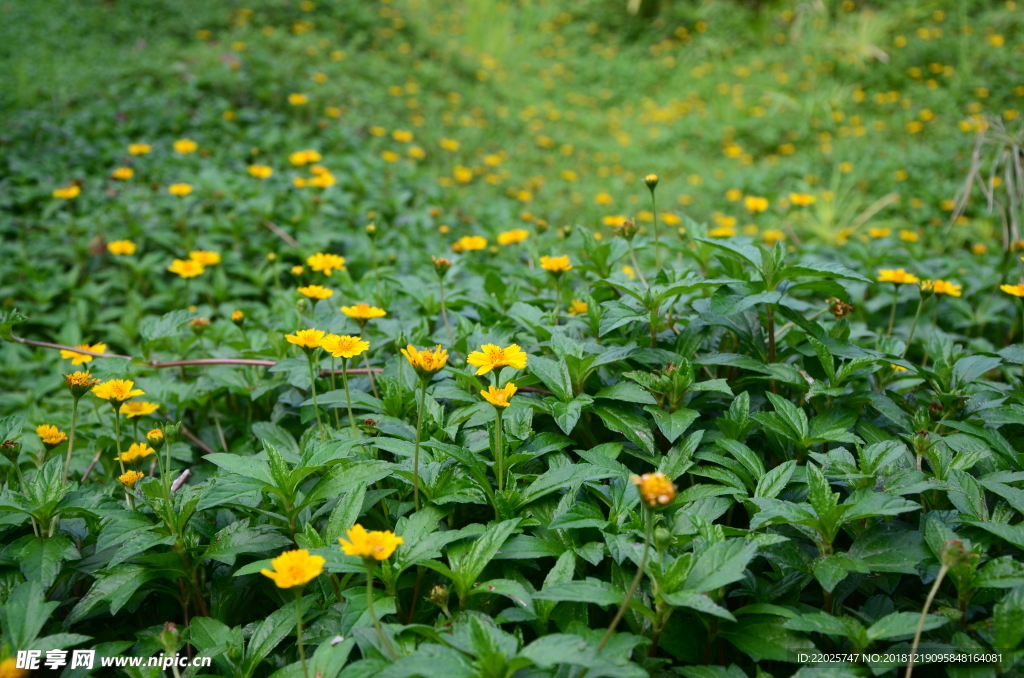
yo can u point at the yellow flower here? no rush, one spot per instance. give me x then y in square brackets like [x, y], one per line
[297, 270]
[131, 477]
[880, 232]
[50, 434]
[304, 157]
[801, 199]
[123, 173]
[773, 235]
[556, 265]
[186, 268]
[306, 339]
[897, 368]
[376, 544]
[80, 382]
[185, 146]
[499, 397]
[323, 180]
[722, 232]
[490, 357]
[909, 236]
[294, 568]
[449, 144]
[755, 204]
[463, 175]
[655, 488]
[941, 287]
[363, 312]
[979, 248]
[136, 451]
[116, 391]
[9, 669]
[344, 346]
[139, 149]
[513, 236]
[469, 243]
[316, 291]
[121, 247]
[402, 136]
[155, 435]
[896, 276]
[204, 257]
[651, 180]
[261, 171]
[237, 316]
[577, 307]
[1016, 290]
[629, 272]
[426, 361]
[326, 263]
[390, 156]
[296, 99]
[79, 358]
[180, 190]
[604, 198]
[138, 408]
[72, 191]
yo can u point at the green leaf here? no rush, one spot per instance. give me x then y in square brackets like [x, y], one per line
[1008, 621]
[1005, 572]
[627, 391]
[243, 466]
[562, 478]
[473, 561]
[168, 325]
[40, 559]
[238, 538]
[766, 638]
[902, 625]
[115, 587]
[697, 601]
[555, 375]
[821, 270]
[590, 590]
[24, 613]
[630, 425]
[722, 563]
[672, 425]
[890, 547]
[774, 481]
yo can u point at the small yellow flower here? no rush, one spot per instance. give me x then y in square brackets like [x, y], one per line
[304, 157]
[326, 263]
[979, 248]
[898, 276]
[155, 435]
[491, 356]
[186, 268]
[323, 180]
[514, 236]
[139, 149]
[79, 383]
[909, 236]
[138, 408]
[237, 316]
[499, 397]
[121, 247]
[378, 545]
[294, 568]
[50, 434]
[116, 391]
[79, 358]
[296, 99]
[897, 368]
[629, 272]
[344, 346]
[426, 361]
[306, 339]
[655, 488]
[402, 136]
[204, 257]
[122, 173]
[297, 270]
[129, 478]
[449, 144]
[180, 190]
[469, 243]
[577, 307]
[880, 232]
[9, 669]
[604, 198]
[941, 287]
[184, 146]
[363, 312]
[72, 191]
[801, 199]
[651, 180]
[261, 171]
[1016, 290]
[773, 235]
[722, 232]
[316, 292]
[136, 451]
[556, 265]
[755, 204]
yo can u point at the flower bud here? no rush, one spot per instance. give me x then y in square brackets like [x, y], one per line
[10, 449]
[170, 638]
[171, 432]
[441, 266]
[662, 539]
[652, 181]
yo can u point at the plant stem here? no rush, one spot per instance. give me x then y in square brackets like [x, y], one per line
[117, 440]
[316, 408]
[636, 266]
[348, 396]
[444, 314]
[770, 312]
[298, 630]
[369, 608]
[924, 616]
[892, 313]
[558, 299]
[416, 451]
[648, 528]
[913, 327]
[334, 387]
[657, 249]
[499, 452]
[71, 438]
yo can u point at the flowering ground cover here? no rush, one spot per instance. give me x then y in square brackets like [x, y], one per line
[513, 338]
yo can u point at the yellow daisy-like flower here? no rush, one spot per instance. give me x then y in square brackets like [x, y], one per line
[556, 265]
[469, 243]
[155, 435]
[79, 383]
[79, 358]
[261, 171]
[363, 312]
[180, 190]
[755, 203]
[50, 434]
[879, 232]
[801, 199]
[129, 478]
[307, 339]
[512, 237]
[722, 232]
[138, 408]
[296, 99]
[237, 316]
[426, 361]
[655, 488]
[909, 236]
[326, 263]
[323, 180]
[204, 257]
[186, 268]
[499, 397]
[294, 568]
[378, 545]
[136, 451]
[941, 287]
[185, 146]
[490, 357]
[117, 390]
[72, 191]
[304, 157]
[344, 346]
[1016, 290]
[122, 173]
[9, 669]
[773, 235]
[316, 291]
[577, 307]
[897, 275]
[139, 149]
[121, 247]
[629, 272]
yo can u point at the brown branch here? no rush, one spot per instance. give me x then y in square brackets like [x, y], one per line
[181, 480]
[280, 233]
[61, 347]
[199, 443]
[212, 361]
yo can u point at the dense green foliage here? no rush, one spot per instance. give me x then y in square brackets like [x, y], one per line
[844, 439]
